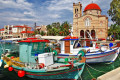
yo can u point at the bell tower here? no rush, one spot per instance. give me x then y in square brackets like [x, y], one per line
[77, 10]
[77, 13]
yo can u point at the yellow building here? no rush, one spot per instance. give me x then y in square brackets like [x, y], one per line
[91, 21]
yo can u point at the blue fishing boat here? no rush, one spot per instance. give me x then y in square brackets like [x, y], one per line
[39, 61]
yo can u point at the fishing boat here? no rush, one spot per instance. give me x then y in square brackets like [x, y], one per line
[94, 53]
[39, 61]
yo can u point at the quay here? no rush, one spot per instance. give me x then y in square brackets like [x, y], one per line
[112, 75]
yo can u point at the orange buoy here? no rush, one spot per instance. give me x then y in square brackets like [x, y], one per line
[10, 68]
[12, 57]
[21, 73]
[41, 65]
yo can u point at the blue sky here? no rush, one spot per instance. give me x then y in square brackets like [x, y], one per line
[43, 12]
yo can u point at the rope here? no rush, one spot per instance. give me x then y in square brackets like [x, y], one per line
[78, 73]
[89, 73]
[95, 69]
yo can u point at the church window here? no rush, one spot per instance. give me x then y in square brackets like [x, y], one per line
[97, 12]
[76, 10]
[87, 22]
[90, 12]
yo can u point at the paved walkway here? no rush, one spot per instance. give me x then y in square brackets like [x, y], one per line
[112, 75]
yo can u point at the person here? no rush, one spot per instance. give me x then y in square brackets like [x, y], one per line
[108, 38]
[113, 37]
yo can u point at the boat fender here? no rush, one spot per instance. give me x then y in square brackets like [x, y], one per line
[41, 65]
[12, 57]
[82, 52]
[21, 73]
[1, 61]
[111, 45]
[55, 52]
[10, 68]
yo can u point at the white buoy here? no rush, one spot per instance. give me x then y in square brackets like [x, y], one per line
[1, 61]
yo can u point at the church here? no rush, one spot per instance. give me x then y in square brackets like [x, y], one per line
[90, 22]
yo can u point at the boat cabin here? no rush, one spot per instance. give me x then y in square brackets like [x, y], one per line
[71, 45]
[67, 44]
[30, 49]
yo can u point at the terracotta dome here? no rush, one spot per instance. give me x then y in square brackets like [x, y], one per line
[92, 6]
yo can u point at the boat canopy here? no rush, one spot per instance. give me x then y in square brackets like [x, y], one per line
[6, 41]
[34, 40]
[53, 37]
[70, 38]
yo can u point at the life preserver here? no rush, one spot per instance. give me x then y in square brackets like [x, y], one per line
[55, 52]
[82, 51]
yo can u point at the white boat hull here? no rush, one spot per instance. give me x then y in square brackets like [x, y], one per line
[106, 56]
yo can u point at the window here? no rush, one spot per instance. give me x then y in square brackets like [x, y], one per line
[76, 10]
[72, 41]
[37, 48]
[97, 12]
[87, 22]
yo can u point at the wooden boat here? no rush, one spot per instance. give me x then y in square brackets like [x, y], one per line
[38, 61]
[94, 54]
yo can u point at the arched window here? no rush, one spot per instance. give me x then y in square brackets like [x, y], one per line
[87, 22]
[93, 33]
[82, 33]
[76, 10]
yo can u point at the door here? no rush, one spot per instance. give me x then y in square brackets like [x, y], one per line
[67, 46]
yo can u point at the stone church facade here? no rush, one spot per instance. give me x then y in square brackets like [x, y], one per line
[91, 22]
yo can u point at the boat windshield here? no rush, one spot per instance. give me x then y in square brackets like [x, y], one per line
[38, 48]
[77, 44]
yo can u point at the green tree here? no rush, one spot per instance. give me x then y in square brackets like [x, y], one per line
[35, 32]
[49, 27]
[64, 28]
[42, 33]
[114, 11]
[57, 29]
[114, 30]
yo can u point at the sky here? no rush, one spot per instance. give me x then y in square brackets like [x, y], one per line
[43, 12]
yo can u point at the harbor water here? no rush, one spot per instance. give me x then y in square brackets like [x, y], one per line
[91, 70]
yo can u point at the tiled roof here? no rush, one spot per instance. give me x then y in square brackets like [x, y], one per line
[22, 26]
[27, 32]
[2, 29]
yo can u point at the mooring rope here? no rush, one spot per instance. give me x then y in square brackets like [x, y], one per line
[95, 69]
[89, 72]
[78, 73]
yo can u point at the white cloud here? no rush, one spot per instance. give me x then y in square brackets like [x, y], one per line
[22, 11]
[23, 19]
[54, 16]
[18, 4]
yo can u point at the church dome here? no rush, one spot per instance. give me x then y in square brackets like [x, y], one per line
[92, 6]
